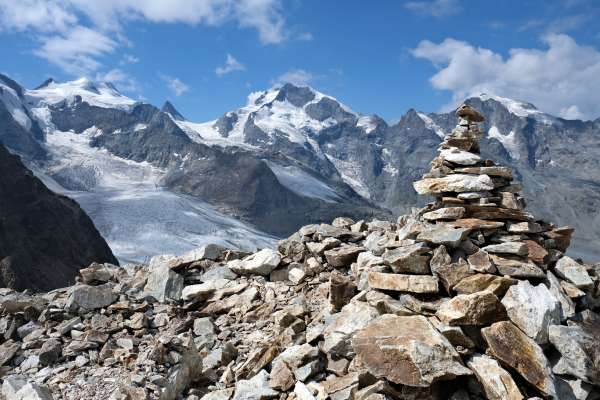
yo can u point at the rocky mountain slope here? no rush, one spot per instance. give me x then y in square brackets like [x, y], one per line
[470, 297]
[45, 238]
[291, 155]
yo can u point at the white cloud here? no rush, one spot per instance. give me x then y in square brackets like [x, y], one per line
[231, 65]
[130, 59]
[561, 79]
[297, 77]
[57, 23]
[175, 85]
[305, 36]
[435, 8]
[76, 51]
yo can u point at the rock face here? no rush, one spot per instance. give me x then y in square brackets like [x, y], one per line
[45, 238]
[363, 310]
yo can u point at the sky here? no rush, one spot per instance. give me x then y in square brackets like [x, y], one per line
[378, 57]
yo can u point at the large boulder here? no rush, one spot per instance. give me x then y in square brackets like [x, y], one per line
[407, 350]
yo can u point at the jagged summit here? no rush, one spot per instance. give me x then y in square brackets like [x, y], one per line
[46, 83]
[170, 109]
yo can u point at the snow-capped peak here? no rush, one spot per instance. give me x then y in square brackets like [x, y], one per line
[295, 112]
[519, 108]
[102, 94]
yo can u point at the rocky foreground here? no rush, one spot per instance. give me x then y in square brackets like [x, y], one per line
[468, 298]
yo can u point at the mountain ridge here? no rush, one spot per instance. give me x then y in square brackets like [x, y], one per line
[313, 155]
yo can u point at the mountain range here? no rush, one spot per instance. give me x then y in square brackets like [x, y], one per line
[154, 182]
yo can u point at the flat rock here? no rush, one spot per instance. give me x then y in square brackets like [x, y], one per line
[478, 282]
[533, 309]
[480, 308]
[408, 259]
[535, 252]
[495, 380]
[516, 267]
[444, 213]
[454, 183]
[451, 274]
[407, 350]
[518, 351]
[579, 349]
[443, 234]
[403, 283]
[343, 256]
[259, 263]
[8, 350]
[476, 223]
[524, 227]
[571, 270]
[516, 248]
[460, 157]
[503, 172]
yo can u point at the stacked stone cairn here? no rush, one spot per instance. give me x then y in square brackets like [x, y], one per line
[468, 298]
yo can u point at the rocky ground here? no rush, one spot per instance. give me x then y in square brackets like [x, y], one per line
[467, 298]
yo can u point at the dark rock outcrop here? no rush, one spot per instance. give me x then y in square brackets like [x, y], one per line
[45, 238]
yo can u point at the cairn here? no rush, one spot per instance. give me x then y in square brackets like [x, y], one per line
[470, 297]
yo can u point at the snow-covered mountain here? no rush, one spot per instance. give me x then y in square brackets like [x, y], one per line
[290, 156]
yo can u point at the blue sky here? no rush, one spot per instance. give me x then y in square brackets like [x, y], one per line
[380, 57]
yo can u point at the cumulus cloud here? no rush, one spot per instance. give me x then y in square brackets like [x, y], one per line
[57, 24]
[231, 65]
[435, 8]
[175, 85]
[297, 77]
[561, 79]
[120, 79]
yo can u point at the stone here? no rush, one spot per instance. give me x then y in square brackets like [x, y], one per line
[297, 273]
[516, 267]
[164, 284]
[455, 336]
[202, 291]
[218, 272]
[478, 282]
[444, 213]
[516, 248]
[221, 394]
[256, 388]
[579, 348]
[343, 256]
[524, 227]
[452, 274]
[341, 290]
[93, 297]
[572, 389]
[460, 157]
[503, 172]
[533, 309]
[475, 223]
[203, 326]
[535, 252]
[50, 351]
[341, 327]
[567, 306]
[17, 388]
[491, 211]
[188, 370]
[454, 183]
[260, 263]
[479, 308]
[513, 348]
[469, 113]
[96, 273]
[403, 283]
[407, 350]
[444, 234]
[480, 262]
[571, 270]
[410, 259]
[495, 380]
